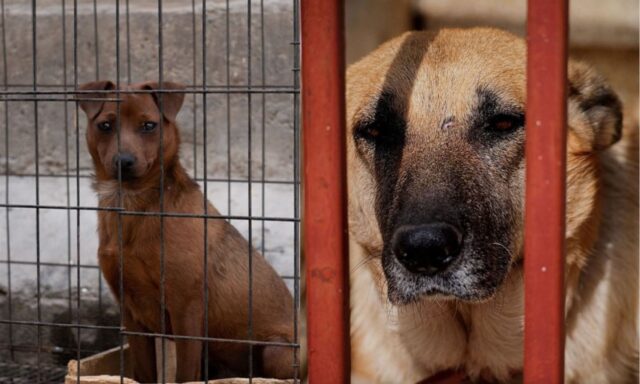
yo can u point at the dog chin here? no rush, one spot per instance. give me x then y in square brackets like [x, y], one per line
[109, 189]
[124, 177]
[407, 295]
[404, 287]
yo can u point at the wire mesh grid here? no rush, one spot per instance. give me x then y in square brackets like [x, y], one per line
[240, 142]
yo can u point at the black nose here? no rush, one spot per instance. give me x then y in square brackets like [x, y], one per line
[125, 161]
[428, 248]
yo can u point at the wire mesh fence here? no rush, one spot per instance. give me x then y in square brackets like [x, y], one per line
[240, 131]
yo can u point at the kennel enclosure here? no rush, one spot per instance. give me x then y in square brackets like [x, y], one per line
[240, 132]
[242, 63]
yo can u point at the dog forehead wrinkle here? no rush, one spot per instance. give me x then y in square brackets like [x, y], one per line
[138, 106]
[490, 101]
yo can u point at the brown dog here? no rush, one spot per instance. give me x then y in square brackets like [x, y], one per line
[436, 194]
[138, 159]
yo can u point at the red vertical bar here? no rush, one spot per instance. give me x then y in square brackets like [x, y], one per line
[545, 193]
[324, 211]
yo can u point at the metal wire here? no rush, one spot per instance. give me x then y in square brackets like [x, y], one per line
[263, 73]
[6, 181]
[296, 185]
[194, 79]
[120, 197]
[36, 145]
[70, 265]
[163, 335]
[67, 161]
[128, 42]
[228, 78]
[163, 307]
[199, 179]
[249, 192]
[41, 89]
[150, 213]
[205, 202]
[96, 43]
[77, 126]
[188, 90]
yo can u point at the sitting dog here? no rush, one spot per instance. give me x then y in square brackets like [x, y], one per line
[436, 136]
[136, 158]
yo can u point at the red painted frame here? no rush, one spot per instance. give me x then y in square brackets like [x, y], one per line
[325, 192]
[547, 22]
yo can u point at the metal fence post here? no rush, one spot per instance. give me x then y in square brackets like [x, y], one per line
[324, 224]
[545, 191]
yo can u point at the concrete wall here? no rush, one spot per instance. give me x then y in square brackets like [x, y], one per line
[179, 64]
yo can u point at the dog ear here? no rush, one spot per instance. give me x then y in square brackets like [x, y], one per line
[93, 107]
[171, 101]
[594, 110]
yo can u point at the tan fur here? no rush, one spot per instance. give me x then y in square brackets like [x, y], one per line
[409, 343]
[141, 242]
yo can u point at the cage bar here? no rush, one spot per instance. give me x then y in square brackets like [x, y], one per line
[545, 191]
[325, 236]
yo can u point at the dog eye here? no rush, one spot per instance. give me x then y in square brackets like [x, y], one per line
[148, 126]
[380, 135]
[105, 126]
[504, 123]
[368, 132]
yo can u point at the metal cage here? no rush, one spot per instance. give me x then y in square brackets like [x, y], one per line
[241, 133]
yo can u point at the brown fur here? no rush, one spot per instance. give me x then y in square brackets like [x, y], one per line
[435, 75]
[184, 241]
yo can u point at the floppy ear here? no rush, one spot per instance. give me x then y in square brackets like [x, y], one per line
[93, 107]
[594, 110]
[171, 101]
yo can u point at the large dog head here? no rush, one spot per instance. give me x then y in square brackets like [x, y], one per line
[436, 149]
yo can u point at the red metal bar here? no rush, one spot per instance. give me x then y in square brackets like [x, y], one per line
[324, 211]
[545, 194]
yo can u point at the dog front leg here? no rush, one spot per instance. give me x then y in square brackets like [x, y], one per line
[277, 362]
[188, 322]
[143, 352]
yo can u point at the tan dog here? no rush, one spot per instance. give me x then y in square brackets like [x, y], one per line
[436, 194]
[138, 158]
